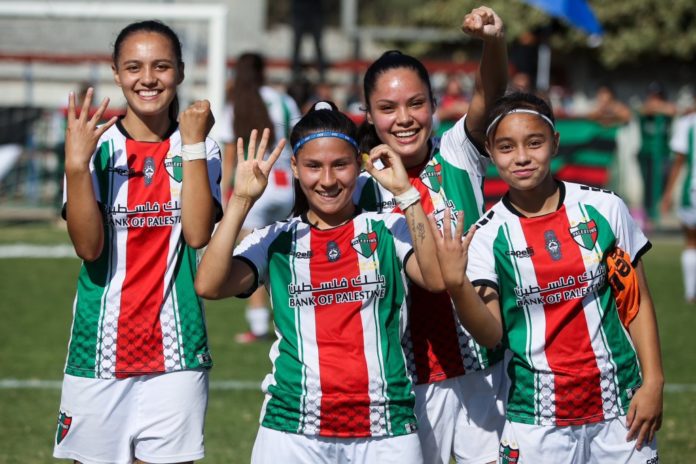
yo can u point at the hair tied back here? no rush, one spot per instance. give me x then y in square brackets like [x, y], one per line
[322, 105]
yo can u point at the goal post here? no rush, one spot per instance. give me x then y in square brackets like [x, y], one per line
[215, 15]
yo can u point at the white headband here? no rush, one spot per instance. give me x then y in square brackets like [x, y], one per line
[519, 110]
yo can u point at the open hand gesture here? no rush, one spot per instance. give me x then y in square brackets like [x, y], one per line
[644, 416]
[82, 132]
[251, 175]
[483, 23]
[195, 122]
[393, 175]
[452, 249]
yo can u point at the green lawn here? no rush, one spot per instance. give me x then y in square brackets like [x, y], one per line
[36, 309]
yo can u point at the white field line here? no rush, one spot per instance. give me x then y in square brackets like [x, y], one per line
[237, 385]
[25, 250]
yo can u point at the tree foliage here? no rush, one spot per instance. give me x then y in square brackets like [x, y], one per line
[633, 29]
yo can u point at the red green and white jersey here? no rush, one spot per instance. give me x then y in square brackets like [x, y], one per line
[437, 346]
[684, 141]
[339, 299]
[136, 311]
[572, 360]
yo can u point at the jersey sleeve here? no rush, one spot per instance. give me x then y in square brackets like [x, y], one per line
[481, 265]
[458, 149]
[679, 142]
[214, 173]
[253, 250]
[629, 237]
[402, 237]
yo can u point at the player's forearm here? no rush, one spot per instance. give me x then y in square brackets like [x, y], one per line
[84, 219]
[216, 277]
[490, 84]
[644, 334]
[424, 247]
[197, 204]
[475, 315]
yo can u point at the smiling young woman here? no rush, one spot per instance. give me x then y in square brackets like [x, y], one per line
[142, 194]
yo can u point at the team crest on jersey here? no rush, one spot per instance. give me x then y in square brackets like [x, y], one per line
[585, 234]
[174, 167]
[64, 422]
[553, 246]
[149, 170]
[508, 453]
[333, 253]
[365, 243]
[432, 176]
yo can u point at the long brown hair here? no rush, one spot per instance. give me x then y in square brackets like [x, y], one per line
[250, 110]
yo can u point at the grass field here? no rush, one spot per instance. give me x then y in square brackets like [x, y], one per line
[36, 310]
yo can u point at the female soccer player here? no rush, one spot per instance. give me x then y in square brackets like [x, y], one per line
[339, 390]
[141, 195]
[458, 415]
[536, 280]
[254, 104]
[683, 145]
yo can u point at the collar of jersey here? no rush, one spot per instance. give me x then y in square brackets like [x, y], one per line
[561, 198]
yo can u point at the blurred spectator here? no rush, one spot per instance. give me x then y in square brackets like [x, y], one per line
[307, 18]
[655, 117]
[254, 105]
[521, 82]
[453, 104]
[607, 109]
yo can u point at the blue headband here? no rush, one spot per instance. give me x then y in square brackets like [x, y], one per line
[318, 135]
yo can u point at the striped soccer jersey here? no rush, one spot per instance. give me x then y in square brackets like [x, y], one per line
[135, 311]
[436, 345]
[684, 141]
[573, 362]
[338, 298]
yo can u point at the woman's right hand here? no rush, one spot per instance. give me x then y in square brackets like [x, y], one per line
[452, 249]
[251, 174]
[82, 132]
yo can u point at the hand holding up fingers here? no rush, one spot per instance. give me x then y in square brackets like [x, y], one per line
[393, 175]
[483, 23]
[82, 132]
[195, 122]
[452, 248]
[251, 174]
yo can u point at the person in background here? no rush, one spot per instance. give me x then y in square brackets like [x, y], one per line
[452, 105]
[253, 104]
[307, 18]
[608, 110]
[142, 195]
[585, 385]
[683, 145]
[655, 118]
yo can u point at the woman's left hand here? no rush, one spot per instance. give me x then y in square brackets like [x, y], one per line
[483, 23]
[392, 175]
[195, 122]
[644, 416]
